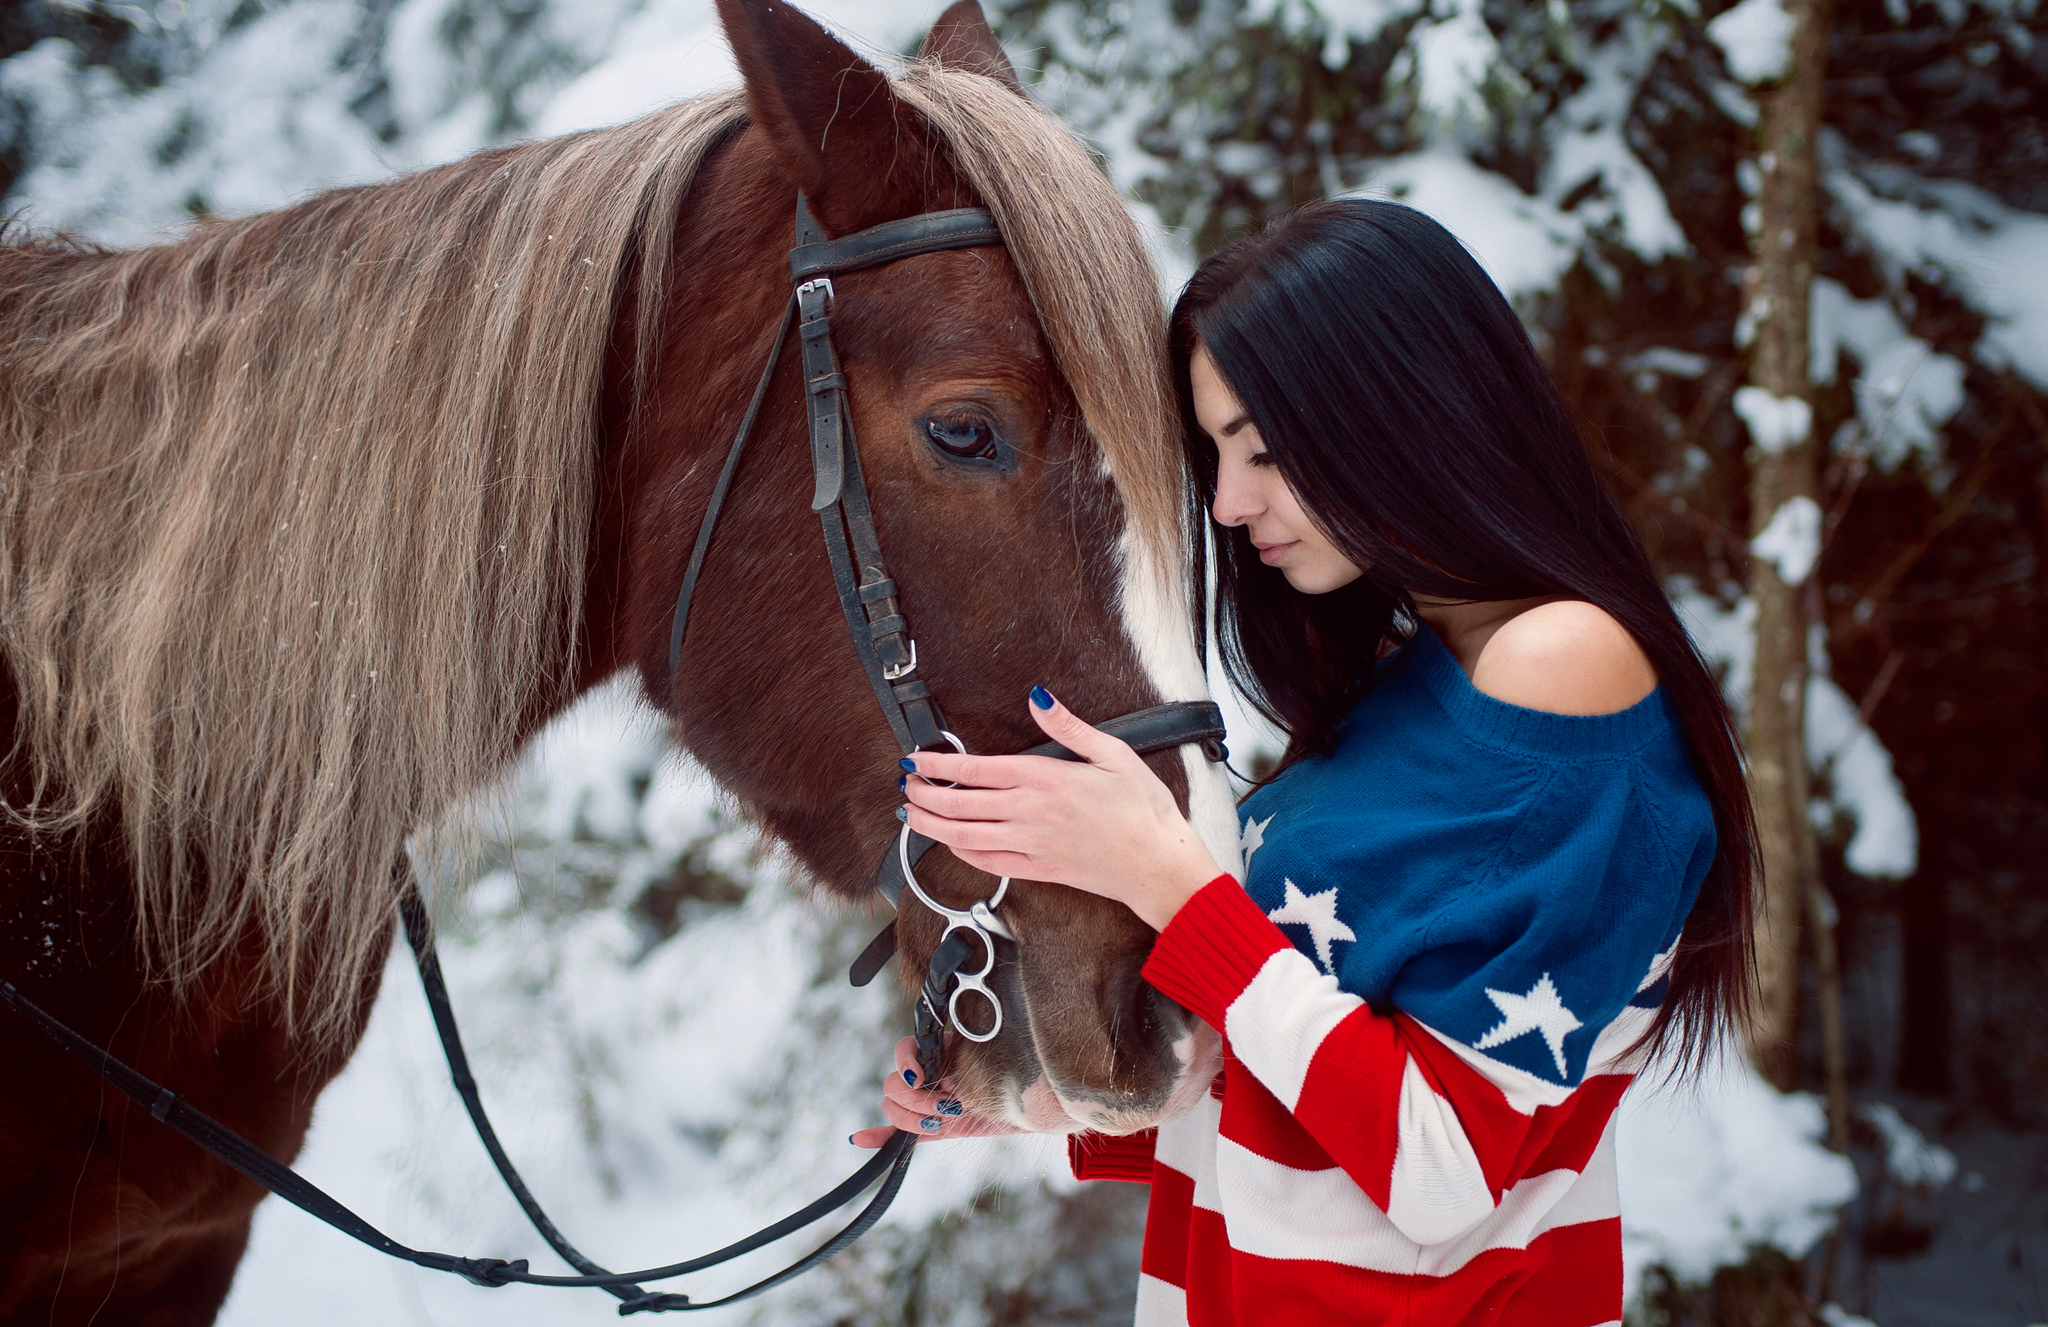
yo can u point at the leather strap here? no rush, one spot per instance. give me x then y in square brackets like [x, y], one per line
[888, 1165]
[960, 228]
[1157, 727]
[718, 493]
[867, 593]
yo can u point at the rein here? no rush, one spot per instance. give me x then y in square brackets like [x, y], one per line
[888, 655]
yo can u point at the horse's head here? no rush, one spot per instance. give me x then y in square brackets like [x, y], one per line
[1024, 482]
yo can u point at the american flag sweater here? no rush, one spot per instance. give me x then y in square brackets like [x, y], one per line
[1450, 932]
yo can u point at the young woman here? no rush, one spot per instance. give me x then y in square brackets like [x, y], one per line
[1508, 854]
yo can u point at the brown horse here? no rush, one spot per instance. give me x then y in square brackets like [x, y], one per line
[309, 520]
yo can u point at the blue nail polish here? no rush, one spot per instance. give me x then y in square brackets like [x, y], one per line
[949, 1108]
[1041, 698]
[903, 814]
[849, 1138]
[931, 1124]
[910, 1077]
[907, 765]
[903, 784]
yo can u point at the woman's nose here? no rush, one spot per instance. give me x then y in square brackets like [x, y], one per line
[1235, 502]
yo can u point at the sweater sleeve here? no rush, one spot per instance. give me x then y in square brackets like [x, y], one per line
[1098, 1156]
[1436, 1133]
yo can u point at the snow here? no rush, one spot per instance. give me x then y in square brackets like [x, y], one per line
[1590, 146]
[1670, 362]
[1710, 1169]
[1859, 782]
[1995, 257]
[1449, 62]
[645, 78]
[1790, 540]
[660, 1100]
[1908, 1157]
[1775, 422]
[1854, 768]
[1905, 393]
[1524, 243]
[1755, 38]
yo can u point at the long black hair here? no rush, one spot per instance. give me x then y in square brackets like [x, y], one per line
[1402, 401]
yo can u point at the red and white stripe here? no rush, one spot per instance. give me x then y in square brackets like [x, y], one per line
[1356, 1167]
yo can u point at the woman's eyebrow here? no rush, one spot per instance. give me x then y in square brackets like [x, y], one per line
[1231, 429]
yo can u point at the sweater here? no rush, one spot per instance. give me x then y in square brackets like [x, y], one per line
[1451, 933]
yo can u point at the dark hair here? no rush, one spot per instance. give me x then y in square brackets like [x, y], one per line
[1401, 399]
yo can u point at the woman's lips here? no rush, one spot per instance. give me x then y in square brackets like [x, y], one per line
[1270, 554]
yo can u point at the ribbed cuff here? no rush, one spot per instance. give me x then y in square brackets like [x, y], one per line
[1212, 949]
[1101, 1156]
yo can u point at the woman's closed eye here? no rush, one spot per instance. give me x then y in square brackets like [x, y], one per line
[1260, 458]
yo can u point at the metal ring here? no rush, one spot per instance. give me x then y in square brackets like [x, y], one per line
[975, 985]
[959, 746]
[954, 915]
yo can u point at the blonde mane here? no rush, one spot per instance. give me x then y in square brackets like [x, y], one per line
[294, 511]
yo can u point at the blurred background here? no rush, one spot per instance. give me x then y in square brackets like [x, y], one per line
[1834, 447]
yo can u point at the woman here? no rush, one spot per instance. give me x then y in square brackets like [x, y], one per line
[1508, 852]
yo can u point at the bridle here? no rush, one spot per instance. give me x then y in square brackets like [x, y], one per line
[888, 654]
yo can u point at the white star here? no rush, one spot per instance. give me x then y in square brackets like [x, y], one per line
[1251, 838]
[1541, 1010]
[1318, 912]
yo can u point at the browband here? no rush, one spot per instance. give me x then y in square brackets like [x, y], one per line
[960, 228]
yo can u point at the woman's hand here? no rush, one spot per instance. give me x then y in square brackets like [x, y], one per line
[1105, 824]
[930, 1114]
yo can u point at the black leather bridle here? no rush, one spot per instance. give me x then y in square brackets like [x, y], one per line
[888, 654]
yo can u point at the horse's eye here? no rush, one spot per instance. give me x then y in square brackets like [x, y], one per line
[963, 436]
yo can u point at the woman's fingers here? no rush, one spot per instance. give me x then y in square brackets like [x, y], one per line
[1063, 726]
[929, 1113]
[976, 835]
[967, 803]
[973, 771]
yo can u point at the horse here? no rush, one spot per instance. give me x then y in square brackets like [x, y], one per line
[310, 519]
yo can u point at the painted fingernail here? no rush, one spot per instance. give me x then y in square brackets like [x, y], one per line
[907, 765]
[903, 814]
[849, 1138]
[910, 1077]
[903, 784]
[949, 1107]
[1041, 698]
[931, 1124]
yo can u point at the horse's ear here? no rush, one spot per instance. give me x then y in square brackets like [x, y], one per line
[833, 124]
[963, 39]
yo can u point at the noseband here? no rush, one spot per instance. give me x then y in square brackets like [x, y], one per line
[874, 618]
[888, 654]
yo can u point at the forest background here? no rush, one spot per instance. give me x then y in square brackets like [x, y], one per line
[663, 1013]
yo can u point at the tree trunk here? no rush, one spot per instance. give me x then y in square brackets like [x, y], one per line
[1782, 470]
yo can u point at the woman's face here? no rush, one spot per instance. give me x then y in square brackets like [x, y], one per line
[1251, 493]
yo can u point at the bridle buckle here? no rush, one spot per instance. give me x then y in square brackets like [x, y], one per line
[897, 672]
[823, 283]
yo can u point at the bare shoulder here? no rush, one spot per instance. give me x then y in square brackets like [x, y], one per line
[1568, 657]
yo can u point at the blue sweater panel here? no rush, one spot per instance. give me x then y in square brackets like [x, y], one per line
[1504, 875]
